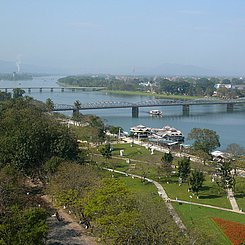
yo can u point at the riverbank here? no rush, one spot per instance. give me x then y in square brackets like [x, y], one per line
[157, 96]
[139, 93]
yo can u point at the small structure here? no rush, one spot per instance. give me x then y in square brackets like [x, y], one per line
[140, 131]
[122, 153]
[220, 156]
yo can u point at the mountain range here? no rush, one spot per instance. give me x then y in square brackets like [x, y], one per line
[165, 69]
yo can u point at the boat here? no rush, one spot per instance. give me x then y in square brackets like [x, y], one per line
[155, 113]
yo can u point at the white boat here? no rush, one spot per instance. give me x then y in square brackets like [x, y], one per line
[155, 113]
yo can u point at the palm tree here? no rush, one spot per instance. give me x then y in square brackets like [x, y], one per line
[77, 104]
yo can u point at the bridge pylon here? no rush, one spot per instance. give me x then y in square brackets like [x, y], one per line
[230, 107]
[135, 111]
[186, 109]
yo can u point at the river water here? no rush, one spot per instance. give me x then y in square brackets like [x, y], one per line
[229, 126]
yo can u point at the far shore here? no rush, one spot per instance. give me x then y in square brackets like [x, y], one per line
[164, 96]
[124, 92]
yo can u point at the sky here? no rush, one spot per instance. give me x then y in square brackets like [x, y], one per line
[122, 36]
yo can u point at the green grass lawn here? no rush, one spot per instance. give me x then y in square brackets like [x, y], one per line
[194, 217]
[200, 217]
[240, 192]
[208, 195]
[148, 165]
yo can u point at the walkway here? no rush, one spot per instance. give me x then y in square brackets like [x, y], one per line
[67, 231]
[230, 194]
[232, 200]
[162, 193]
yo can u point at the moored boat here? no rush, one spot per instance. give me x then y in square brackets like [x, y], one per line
[155, 113]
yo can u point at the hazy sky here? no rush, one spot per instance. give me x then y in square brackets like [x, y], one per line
[117, 35]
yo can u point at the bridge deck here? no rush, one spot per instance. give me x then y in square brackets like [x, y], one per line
[148, 103]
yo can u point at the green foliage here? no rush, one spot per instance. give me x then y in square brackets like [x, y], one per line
[11, 188]
[28, 137]
[70, 183]
[226, 179]
[167, 157]
[49, 105]
[106, 151]
[115, 130]
[77, 104]
[24, 227]
[184, 168]
[111, 207]
[196, 181]
[18, 92]
[204, 139]
[52, 164]
[167, 160]
[5, 96]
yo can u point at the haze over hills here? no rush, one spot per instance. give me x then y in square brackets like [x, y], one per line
[11, 66]
[165, 69]
[178, 70]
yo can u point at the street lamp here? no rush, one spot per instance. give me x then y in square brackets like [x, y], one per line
[190, 202]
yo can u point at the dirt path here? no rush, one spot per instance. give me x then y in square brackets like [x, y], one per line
[67, 231]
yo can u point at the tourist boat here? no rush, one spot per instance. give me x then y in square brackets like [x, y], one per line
[155, 113]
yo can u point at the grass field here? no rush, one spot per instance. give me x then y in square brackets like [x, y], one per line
[200, 217]
[194, 217]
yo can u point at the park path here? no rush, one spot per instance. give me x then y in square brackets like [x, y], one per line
[162, 193]
[230, 194]
[232, 200]
[67, 231]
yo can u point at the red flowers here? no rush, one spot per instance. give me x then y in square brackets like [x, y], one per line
[233, 230]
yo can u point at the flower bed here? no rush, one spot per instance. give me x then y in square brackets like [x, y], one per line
[233, 230]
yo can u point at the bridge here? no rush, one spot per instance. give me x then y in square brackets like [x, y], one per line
[52, 89]
[149, 103]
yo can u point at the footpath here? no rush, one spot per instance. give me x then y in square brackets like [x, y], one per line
[162, 193]
[65, 230]
[230, 194]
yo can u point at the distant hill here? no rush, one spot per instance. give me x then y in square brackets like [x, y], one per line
[10, 66]
[177, 70]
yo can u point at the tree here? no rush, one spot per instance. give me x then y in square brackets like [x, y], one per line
[204, 156]
[111, 208]
[49, 105]
[106, 151]
[225, 178]
[183, 169]
[24, 226]
[18, 92]
[196, 181]
[76, 115]
[167, 160]
[77, 104]
[204, 139]
[28, 137]
[235, 149]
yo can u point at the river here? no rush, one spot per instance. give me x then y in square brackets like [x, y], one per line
[229, 126]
